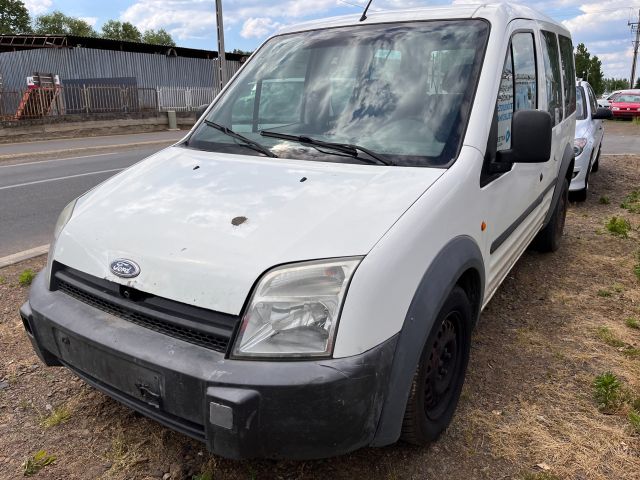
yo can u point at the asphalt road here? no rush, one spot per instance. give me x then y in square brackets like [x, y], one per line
[32, 194]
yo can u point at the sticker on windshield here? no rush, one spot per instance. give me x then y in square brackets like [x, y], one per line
[505, 113]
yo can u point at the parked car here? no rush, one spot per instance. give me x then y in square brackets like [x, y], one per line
[605, 100]
[588, 141]
[626, 104]
[310, 288]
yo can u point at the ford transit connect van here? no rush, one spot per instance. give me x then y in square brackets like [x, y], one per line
[300, 276]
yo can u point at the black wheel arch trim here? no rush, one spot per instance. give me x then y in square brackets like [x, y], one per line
[445, 271]
[568, 159]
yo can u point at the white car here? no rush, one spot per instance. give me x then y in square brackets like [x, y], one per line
[605, 100]
[588, 141]
[300, 276]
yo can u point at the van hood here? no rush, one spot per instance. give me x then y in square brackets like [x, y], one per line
[204, 226]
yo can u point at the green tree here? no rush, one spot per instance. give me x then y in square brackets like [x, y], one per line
[637, 85]
[14, 17]
[158, 37]
[57, 23]
[583, 59]
[596, 76]
[611, 84]
[241, 52]
[125, 31]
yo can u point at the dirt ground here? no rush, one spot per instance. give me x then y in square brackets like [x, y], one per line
[527, 412]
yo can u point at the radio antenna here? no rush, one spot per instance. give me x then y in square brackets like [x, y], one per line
[366, 9]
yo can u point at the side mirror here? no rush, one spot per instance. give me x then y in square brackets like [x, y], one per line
[602, 114]
[530, 138]
[200, 111]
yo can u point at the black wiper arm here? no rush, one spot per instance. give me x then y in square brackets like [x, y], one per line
[348, 148]
[255, 145]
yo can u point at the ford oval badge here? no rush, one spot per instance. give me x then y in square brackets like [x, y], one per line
[124, 268]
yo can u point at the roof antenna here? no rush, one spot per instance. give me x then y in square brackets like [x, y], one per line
[366, 9]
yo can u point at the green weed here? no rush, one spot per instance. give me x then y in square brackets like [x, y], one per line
[634, 420]
[3, 280]
[632, 202]
[618, 226]
[37, 462]
[604, 200]
[608, 337]
[632, 322]
[603, 293]
[607, 392]
[636, 267]
[26, 277]
[59, 415]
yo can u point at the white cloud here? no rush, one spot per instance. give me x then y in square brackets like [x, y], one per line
[37, 7]
[90, 20]
[258, 27]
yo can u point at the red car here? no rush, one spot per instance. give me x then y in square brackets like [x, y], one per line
[626, 105]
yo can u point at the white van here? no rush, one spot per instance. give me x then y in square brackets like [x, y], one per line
[300, 276]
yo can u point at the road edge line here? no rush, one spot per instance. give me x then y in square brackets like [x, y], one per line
[24, 255]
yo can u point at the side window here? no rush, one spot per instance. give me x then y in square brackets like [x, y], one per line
[552, 76]
[592, 99]
[518, 85]
[581, 104]
[568, 74]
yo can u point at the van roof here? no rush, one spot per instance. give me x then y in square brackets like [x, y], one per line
[496, 13]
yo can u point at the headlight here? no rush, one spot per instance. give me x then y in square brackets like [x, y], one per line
[294, 310]
[615, 108]
[578, 146]
[63, 218]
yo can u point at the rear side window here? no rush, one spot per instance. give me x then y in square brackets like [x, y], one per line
[592, 99]
[518, 85]
[568, 74]
[551, 58]
[581, 104]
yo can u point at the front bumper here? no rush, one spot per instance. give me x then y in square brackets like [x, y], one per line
[580, 168]
[625, 113]
[241, 409]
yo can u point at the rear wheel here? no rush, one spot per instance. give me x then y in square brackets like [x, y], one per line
[438, 380]
[548, 239]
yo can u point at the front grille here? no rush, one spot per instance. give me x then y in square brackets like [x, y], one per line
[206, 328]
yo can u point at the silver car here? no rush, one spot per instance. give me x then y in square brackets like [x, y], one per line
[588, 140]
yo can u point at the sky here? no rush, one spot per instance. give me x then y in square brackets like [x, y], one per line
[601, 25]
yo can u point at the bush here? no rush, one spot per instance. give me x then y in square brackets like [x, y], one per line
[619, 226]
[607, 392]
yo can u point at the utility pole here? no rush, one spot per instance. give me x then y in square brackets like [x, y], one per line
[634, 28]
[222, 57]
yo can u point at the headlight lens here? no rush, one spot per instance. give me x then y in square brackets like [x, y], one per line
[578, 146]
[294, 310]
[615, 108]
[63, 218]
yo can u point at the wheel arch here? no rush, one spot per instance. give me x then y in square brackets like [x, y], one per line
[460, 262]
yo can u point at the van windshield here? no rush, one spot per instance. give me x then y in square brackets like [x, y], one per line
[401, 92]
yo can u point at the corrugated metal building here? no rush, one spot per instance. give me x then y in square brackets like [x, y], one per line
[77, 58]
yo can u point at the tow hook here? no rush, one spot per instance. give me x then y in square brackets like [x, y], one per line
[148, 395]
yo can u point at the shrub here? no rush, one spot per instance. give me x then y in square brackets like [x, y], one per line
[619, 226]
[607, 392]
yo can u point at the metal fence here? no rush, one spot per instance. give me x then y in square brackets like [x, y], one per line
[99, 99]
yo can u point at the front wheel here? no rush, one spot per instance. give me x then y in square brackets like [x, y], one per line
[438, 380]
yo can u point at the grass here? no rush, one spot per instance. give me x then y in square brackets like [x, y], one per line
[26, 277]
[604, 200]
[618, 226]
[37, 462]
[632, 202]
[3, 280]
[608, 337]
[632, 322]
[607, 392]
[636, 267]
[603, 293]
[634, 420]
[59, 415]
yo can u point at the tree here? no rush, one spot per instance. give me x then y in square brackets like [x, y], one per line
[158, 37]
[57, 23]
[242, 52]
[637, 85]
[612, 84]
[124, 31]
[14, 17]
[589, 68]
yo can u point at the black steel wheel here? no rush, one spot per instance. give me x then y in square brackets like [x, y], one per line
[439, 377]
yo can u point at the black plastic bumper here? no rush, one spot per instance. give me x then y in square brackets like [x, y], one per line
[241, 409]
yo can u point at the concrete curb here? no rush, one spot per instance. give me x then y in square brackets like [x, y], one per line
[24, 255]
[73, 151]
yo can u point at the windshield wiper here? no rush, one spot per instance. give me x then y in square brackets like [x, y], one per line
[248, 142]
[347, 148]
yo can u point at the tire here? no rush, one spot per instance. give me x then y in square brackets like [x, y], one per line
[548, 239]
[596, 164]
[438, 380]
